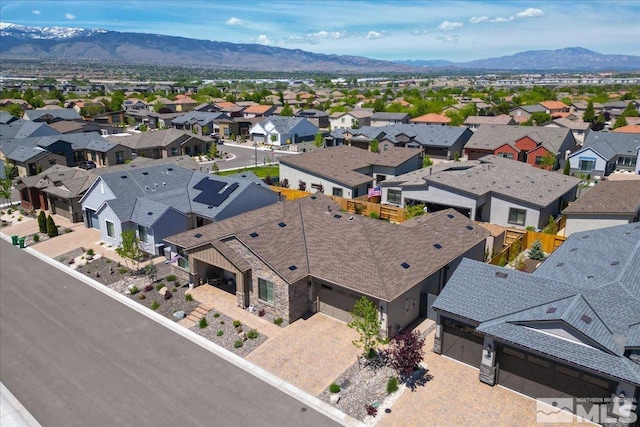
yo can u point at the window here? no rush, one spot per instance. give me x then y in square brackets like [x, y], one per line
[174, 151]
[380, 178]
[538, 160]
[506, 155]
[337, 191]
[265, 290]
[586, 163]
[119, 157]
[183, 260]
[142, 232]
[626, 161]
[394, 196]
[110, 229]
[517, 216]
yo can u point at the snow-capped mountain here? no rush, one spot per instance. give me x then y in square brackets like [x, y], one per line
[46, 33]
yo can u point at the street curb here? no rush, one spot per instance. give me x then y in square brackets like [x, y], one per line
[17, 409]
[258, 372]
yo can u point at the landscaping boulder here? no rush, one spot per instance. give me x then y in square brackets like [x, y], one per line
[179, 315]
[163, 290]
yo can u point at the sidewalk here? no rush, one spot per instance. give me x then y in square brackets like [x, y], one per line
[12, 413]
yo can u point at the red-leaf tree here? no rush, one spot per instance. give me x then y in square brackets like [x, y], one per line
[406, 352]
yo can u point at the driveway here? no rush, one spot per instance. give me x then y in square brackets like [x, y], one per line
[455, 397]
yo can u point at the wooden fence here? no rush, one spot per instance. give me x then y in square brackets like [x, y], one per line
[550, 242]
[289, 193]
[362, 207]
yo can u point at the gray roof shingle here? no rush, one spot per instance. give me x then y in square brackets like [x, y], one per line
[490, 137]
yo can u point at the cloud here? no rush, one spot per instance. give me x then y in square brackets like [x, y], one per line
[328, 35]
[69, 16]
[35, 12]
[372, 35]
[262, 39]
[478, 19]
[449, 39]
[449, 25]
[235, 21]
[500, 19]
[529, 13]
[419, 32]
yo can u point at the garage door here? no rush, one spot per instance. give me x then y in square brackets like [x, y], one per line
[541, 377]
[336, 302]
[92, 218]
[461, 342]
[258, 138]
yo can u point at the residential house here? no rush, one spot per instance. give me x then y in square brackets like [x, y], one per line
[555, 108]
[47, 115]
[357, 137]
[83, 126]
[184, 103]
[569, 330]
[205, 124]
[5, 102]
[59, 188]
[529, 144]
[524, 112]
[352, 119]
[388, 119]
[258, 111]
[431, 119]
[606, 204]
[230, 109]
[162, 143]
[628, 129]
[347, 171]
[25, 129]
[162, 200]
[288, 260]
[111, 118]
[319, 118]
[605, 152]
[474, 122]
[579, 129]
[31, 156]
[135, 104]
[276, 130]
[6, 118]
[492, 189]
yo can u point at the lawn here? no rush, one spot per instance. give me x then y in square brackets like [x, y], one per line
[260, 171]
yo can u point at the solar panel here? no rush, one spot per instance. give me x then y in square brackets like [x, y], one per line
[211, 191]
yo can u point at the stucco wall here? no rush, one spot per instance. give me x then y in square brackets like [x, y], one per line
[592, 222]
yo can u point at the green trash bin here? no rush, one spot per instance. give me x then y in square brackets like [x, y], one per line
[14, 240]
[21, 242]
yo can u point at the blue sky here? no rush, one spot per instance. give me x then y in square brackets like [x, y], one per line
[451, 30]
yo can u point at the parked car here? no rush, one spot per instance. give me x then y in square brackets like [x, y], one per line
[87, 164]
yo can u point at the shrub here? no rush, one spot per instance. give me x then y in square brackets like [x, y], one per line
[90, 252]
[203, 323]
[334, 388]
[167, 295]
[134, 290]
[278, 321]
[42, 222]
[68, 230]
[252, 334]
[9, 211]
[174, 289]
[123, 270]
[142, 296]
[220, 333]
[148, 288]
[536, 251]
[372, 410]
[520, 263]
[52, 229]
[374, 215]
[159, 286]
[514, 251]
[238, 344]
[36, 238]
[236, 323]
[188, 297]
[261, 312]
[19, 218]
[108, 261]
[502, 262]
[222, 322]
[530, 228]
[155, 305]
[392, 385]
[171, 278]
[216, 315]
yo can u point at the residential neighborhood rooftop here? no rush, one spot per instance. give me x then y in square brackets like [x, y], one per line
[608, 197]
[490, 137]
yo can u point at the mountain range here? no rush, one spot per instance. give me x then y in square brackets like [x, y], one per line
[79, 44]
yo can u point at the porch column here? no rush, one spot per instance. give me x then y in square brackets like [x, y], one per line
[437, 340]
[488, 363]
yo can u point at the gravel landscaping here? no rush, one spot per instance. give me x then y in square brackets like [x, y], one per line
[220, 322]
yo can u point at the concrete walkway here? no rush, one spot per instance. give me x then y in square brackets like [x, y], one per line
[12, 413]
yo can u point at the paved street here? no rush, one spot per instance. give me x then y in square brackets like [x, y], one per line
[245, 155]
[75, 357]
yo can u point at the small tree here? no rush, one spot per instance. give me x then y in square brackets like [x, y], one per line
[406, 352]
[213, 151]
[52, 229]
[590, 113]
[548, 161]
[620, 121]
[456, 156]
[536, 251]
[514, 251]
[366, 322]
[130, 249]
[414, 210]
[5, 187]
[318, 140]
[42, 222]
[426, 161]
[567, 168]
[286, 111]
[151, 271]
[374, 145]
[205, 130]
[599, 123]
[551, 227]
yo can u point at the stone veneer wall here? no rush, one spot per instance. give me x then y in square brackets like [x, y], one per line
[299, 303]
[259, 270]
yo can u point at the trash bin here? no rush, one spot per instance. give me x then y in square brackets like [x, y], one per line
[21, 242]
[14, 240]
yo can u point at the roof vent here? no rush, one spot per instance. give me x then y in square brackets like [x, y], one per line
[585, 237]
[169, 169]
[149, 213]
[551, 309]
[254, 234]
[501, 274]
[586, 319]
[560, 264]
[469, 227]
[313, 197]
[209, 207]
[450, 215]
[145, 173]
[124, 177]
[437, 246]
[573, 249]
[293, 267]
[282, 224]
[337, 216]
[615, 262]
[405, 265]
[590, 276]
[197, 235]
[350, 217]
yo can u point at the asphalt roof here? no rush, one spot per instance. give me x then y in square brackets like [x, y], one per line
[495, 175]
[24, 129]
[590, 285]
[490, 137]
[155, 139]
[420, 134]
[341, 163]
[608, 197]
[61, 113]
[306, 234]
[200, 117]
[610, 144]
